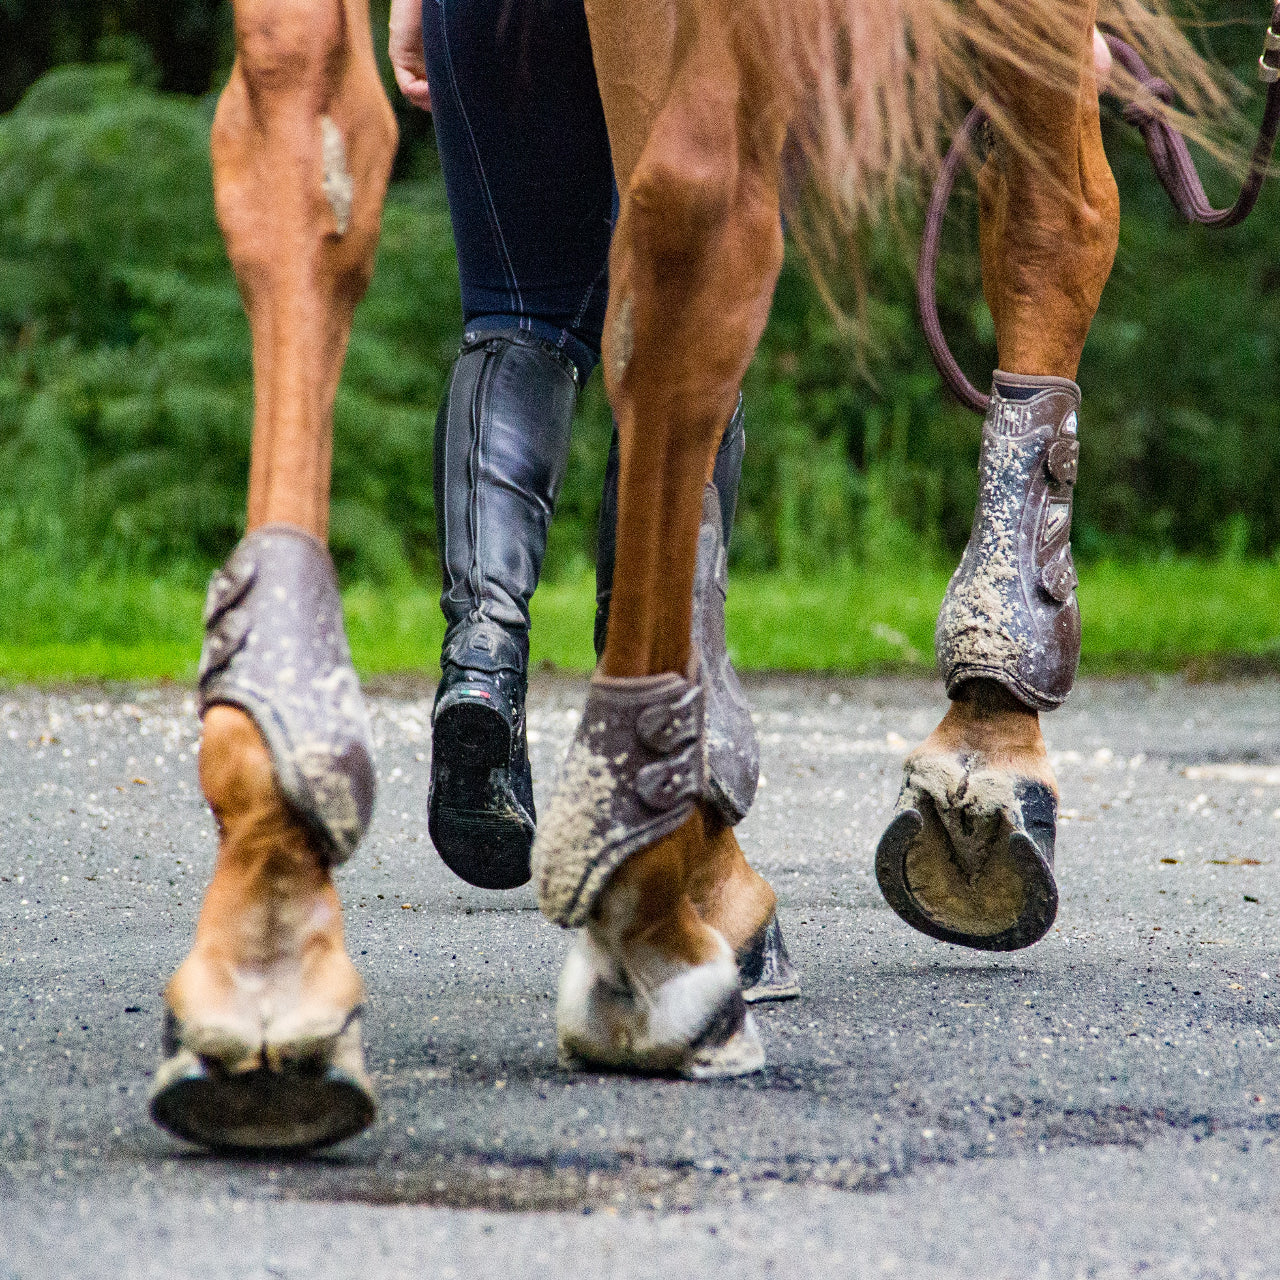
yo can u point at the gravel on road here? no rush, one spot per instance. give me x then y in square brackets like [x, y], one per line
[1104, 1103]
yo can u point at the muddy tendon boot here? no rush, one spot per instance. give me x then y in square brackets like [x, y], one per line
[732, 747]
[968, 857]
[501, 445]
[273, 1060]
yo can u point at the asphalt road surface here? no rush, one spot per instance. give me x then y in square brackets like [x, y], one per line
[1106, 1103]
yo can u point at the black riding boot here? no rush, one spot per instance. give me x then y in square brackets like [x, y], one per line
[502, 441]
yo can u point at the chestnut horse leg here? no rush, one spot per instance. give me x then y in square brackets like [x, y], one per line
[652, 983]
[969, 856]
[262, 1041]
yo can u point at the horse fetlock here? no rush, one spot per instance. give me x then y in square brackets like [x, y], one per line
[636, 1007]
[730, 895]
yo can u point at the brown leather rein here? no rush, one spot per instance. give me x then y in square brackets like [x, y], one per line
[1170, 158]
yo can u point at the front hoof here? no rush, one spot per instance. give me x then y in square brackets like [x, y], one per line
[972, 863]
[283, 1102]
[655, 1017]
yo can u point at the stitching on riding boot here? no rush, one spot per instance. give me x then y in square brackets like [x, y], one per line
[634, 770]
[1010, 612]
[275, 647]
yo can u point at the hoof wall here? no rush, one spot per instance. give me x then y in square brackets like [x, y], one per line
[765, 968]
[1010, 901]
[741, 1055]
[299, 1106]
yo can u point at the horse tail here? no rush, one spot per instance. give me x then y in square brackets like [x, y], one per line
[879, 85]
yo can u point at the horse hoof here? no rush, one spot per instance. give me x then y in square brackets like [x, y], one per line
[655, 1017]
[281, 1104]
[765, 968]
[741, 1054]
[972, 875]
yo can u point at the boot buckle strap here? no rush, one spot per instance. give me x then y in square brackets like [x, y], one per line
[665, 728]
[1063, 459]
[666, 783]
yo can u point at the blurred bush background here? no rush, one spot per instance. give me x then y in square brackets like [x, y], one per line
[125, 390]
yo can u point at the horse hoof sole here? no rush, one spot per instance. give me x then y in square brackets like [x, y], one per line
[300, 1107]
[1009, 904]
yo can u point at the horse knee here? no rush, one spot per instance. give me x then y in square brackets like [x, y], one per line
[303, 135]
[288, 45]
[683, 188]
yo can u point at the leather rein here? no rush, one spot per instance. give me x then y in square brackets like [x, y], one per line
[1169, 156]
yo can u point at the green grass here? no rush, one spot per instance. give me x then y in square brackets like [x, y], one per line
[1163, 616]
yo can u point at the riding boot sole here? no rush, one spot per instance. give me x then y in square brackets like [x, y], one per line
[483, 835]
[298, 1106]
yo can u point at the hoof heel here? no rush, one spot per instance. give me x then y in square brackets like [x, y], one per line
[1008, 902]
[741, 1054]
[301, 1105]
[765, 968]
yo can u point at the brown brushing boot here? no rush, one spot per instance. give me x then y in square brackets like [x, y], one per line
[968, 858]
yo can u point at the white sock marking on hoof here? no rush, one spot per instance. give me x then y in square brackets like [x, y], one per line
[642, 1011]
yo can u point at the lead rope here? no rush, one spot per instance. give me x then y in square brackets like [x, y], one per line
[1169, 156]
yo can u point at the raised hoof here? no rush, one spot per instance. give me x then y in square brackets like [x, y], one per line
[1002, 899]
[765, 968]
[479, 827]
[281, 1104]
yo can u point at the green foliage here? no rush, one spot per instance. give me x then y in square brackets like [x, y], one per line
[1169, 615]
[126, 392]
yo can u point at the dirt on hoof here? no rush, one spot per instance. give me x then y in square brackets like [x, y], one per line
[968, 857]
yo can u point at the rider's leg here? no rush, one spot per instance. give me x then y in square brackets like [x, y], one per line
[651, 985]
[526, 163]
[263, 1045]
[969, 856]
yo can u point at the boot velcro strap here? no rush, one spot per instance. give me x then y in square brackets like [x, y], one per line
[633, 773]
